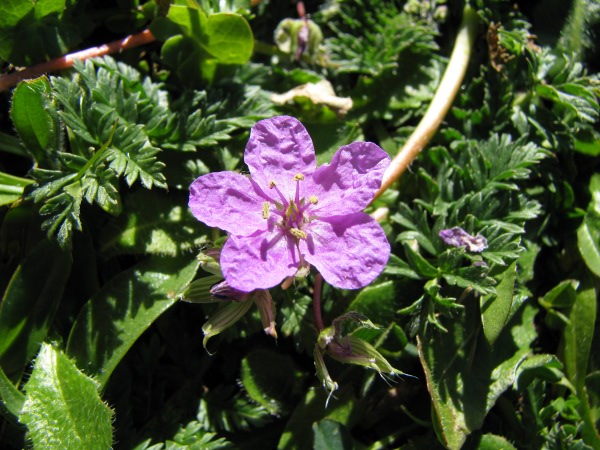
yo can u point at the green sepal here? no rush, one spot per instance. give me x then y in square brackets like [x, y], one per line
[323, 374]
[198, 291]
[225, 317]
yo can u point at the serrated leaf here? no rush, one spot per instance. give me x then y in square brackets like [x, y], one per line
[113, 319]
[62, 409]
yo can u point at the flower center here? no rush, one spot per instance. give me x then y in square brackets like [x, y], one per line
[290, 210]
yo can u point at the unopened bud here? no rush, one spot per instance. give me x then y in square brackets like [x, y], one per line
[266, 310]
[323, 374]
[209, 261]
[225, 316]
[222, 291]
[198, 291]
[353, 350]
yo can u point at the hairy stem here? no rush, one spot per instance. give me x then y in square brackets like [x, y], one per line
[65, 62]
[317, 302]
[442, 100]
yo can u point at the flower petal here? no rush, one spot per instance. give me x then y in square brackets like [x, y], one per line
[348, 184]
[228, 201]
[260, 261]
[350, 251]
[278, 149]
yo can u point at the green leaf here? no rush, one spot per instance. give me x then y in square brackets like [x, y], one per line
[495, 308]
[34, 118]
[494, 442]
[577, 345]
[11, 188]
[419, 264]
[578, 334]
[377, 302]
[195, 43]
[588, 234]
[155, 223]
[311, 410]
[229, 38]
[113, 319]
[11, 399]
[269, 380]
[63, 409]
[28, 307]
[331, 435]
[465, 377]
[31, 32]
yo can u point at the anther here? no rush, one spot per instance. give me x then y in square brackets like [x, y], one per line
[298, 177]
[273, 185]
[265, 210]
[313, 199]
[298, 233]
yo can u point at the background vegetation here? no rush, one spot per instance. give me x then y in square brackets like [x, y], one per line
[97, 244]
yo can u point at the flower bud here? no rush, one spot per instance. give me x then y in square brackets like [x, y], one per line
[209, 261]
[223, 292]
[266, 310]
[353, 350]
[199, 291]
[225, 316]
[323, 374]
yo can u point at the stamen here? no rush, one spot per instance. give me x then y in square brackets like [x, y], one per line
[297, 178]
[272, 185]
[298, 233]
[265, 210]
[313, 199]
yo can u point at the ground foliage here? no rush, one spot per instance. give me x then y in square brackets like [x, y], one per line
[97, 243]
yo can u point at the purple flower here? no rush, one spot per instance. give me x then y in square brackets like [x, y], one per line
[289, 214]
[457, 237]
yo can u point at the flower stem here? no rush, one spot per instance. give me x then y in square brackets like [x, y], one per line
[317, 302]
[65, 62]
[440, 104]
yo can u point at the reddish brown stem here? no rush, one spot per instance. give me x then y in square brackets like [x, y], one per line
[65, 62]
[317, 302]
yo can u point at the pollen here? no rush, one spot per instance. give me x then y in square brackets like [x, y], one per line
[298, 177]
[298, 233]
[313, 199]
[265, 210]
